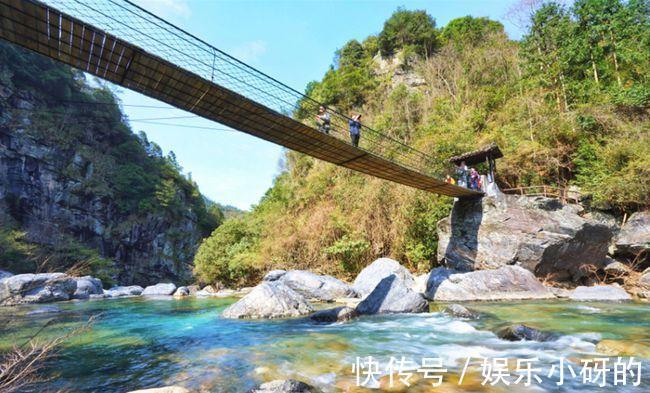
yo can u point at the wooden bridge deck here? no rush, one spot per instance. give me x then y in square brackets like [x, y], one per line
[45, 30]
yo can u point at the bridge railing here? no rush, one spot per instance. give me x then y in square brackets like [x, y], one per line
[561, 193]
[132, 23]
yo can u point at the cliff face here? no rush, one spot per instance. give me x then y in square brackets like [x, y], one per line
[79, 175]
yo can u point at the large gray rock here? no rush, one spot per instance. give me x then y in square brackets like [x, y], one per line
[87, 286]
[616, 269]
[381, 268]
[132, 290]
[315, 286]
[273, 275]
[336, 314]
[5, 274]
[436, 277]
[181, 292]
[633, 241]
[269, 300]
[506, 283]
[540, 235]
[523, 332]
[160, 289]
[284, 386]
[600, 293]
[36, 288]
[393, 295]
[458, 311]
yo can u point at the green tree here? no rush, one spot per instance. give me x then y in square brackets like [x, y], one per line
[227, 255]
[351, 55]
[469, 31]
[546, 50]
[404, 28]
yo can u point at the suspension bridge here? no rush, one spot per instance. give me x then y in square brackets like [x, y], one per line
[121, 42]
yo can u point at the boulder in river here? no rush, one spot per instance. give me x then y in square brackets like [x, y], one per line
[336, 314]
[284, 386]
[311, 285]
[600, 293]
[160, 289]
[181, 292]
[523, 332]
[458, 311]
[633, 241]
[506, 283]
[269, 300]
[436, 277]
[393, 295]
[544, 238]
[132, 290]
[36, 288]
[87, 286]
[381, 268]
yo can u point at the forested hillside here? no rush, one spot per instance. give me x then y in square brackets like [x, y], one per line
[567, 104]
[79, 190]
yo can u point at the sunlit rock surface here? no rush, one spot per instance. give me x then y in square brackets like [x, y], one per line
[506, 283]
[381, 268]
[160, 289]
[87, 286]
[36, 288]
[393, 295]
[539, 234]
[133, 290]
[311, 285]
[600, 293]
[633, 241]
[269, 300]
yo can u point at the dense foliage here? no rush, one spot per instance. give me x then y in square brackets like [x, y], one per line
[568, 105]
[86, 125]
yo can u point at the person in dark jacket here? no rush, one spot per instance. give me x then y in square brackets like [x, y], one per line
[355, 129]
[323, 119]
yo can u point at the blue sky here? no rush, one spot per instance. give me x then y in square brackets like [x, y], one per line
[293, 41]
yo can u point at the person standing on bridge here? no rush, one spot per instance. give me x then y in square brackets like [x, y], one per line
[355, 129]
[461, 171]
[474, 180]
[324, 121]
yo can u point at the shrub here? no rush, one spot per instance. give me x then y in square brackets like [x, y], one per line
[227, 255]
[349, 252]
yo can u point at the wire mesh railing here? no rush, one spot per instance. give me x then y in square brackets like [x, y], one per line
[141, 28]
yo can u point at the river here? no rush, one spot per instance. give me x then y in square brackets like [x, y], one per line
[138, 342]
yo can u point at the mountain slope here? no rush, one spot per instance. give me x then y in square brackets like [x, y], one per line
[446, 91]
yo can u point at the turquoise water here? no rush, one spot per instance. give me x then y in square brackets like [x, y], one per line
[137, 343]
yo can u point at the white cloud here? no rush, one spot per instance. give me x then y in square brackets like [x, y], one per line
[167, 8]
[250, 51]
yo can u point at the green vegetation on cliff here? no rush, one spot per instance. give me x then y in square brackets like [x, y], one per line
[568, 105]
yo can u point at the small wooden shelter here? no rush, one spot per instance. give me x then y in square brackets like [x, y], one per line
[487, 154]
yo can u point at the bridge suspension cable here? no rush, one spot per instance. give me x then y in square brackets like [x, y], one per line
[125, 44]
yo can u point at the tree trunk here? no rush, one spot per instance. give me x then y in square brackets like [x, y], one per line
[593, 67]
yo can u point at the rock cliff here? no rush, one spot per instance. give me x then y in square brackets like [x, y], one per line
[538, 234]
[72, 171]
